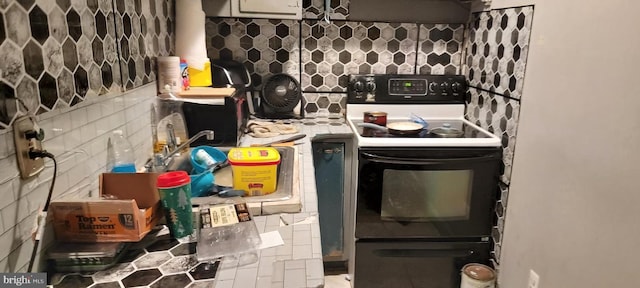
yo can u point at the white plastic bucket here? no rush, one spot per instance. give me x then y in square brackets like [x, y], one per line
[478, 276]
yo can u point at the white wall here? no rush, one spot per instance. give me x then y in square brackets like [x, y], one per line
[574, 204]
[77, 136]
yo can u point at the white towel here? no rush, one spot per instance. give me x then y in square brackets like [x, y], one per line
[261, 129]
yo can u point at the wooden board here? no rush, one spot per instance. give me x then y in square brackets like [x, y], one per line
[203, 92]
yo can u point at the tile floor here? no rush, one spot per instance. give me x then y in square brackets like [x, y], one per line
[336, 281]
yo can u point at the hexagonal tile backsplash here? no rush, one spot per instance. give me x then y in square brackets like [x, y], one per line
[330, 52]
[266, 47]
[496, 59]
[56, 54]
[314, 9]
[497, 46]
[440, 49]
[144, 30]
[322, 55]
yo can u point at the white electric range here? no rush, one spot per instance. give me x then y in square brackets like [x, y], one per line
[422, 203]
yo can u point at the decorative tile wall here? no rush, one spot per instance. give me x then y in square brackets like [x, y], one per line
[497, 51]
[440, 49]
[56, 54]
[496, 57]
[324, 104]
[330, 52]
[144, 31]
[314, 9]
[500, 214]
[499, 115]
[266, 47]
[322, 55]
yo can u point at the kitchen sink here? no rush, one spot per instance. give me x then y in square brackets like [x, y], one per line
[223, 176]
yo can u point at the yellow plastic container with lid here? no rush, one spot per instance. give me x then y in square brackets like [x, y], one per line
[254, 169]
[200, 78]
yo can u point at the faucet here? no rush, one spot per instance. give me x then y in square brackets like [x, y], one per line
[160, 162]
[172, 142]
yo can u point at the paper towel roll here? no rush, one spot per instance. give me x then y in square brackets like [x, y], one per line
[190, 33]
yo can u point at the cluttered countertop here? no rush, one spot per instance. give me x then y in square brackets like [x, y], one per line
[159, 261]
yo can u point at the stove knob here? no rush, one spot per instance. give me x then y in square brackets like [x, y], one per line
[444, 86]
[456, 87]
[371, 86]
[433, 86]
[358, 86]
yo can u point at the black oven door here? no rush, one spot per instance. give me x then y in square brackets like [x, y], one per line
[426, 192]
[415, 264]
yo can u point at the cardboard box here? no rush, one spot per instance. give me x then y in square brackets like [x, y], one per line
[129, 218]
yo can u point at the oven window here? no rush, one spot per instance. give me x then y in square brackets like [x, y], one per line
[420, 196]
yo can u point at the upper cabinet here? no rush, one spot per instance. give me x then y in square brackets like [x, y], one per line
[407, 11]
[420, 11]
[271, 9]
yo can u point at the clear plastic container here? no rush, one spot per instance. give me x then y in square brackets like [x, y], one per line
[120, 156]
[170, 128]
[227, 230]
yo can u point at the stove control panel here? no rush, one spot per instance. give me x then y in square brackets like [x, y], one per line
[400, 89]
[364, 87]
[408, 86]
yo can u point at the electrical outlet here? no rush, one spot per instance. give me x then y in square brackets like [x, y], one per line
[534, 279]
[26, 136]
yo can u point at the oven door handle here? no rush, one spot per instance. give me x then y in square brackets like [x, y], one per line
[408, 161]
[422, 253]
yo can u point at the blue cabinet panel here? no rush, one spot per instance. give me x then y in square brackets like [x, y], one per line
[329, 163]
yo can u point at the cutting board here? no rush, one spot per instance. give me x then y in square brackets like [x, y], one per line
[206, 92]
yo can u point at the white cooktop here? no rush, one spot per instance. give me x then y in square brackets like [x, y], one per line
[431, 113]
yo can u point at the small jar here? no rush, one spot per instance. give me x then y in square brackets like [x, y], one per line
[376, 117]
[478, 276]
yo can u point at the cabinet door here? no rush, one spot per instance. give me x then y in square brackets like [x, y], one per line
[217, 8]
[273, 9]
[328, 160]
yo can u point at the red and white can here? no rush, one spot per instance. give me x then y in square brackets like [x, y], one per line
[376, 117]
